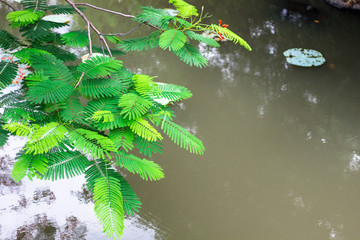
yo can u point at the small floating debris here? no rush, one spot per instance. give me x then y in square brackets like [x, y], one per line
[304, 57]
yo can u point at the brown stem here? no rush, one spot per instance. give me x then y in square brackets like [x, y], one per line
[7, 4]
[36, 5]
[105, 10]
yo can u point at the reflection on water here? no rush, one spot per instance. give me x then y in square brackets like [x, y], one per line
[282, 159]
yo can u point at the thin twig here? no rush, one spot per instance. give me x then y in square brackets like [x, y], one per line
[122, 34]
[7, 4]
[90, 41]
[102, 48]
[36, 6]
[105, 10]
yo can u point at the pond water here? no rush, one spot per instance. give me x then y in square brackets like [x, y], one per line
[282, 142]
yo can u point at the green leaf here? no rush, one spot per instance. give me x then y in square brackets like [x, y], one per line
[134, 106]
[185, 10]
[101, 87]
[45, 138]
[207, 40]
[49, 91]
[99, 66]
[59, 53]
[24, 18]
[99, 169]
[145, 85]
[122, 138]
[19, 129]
[190, 55]
[92, 143]
[148, 170]
[63, 9]
[228, 34]
[104, 116]
[155, 17]
[109, 205]
[140, 44]
[172, 39]
[4, 136]
[29, 165]
[62, 165]
[8, 41]
[143, 128]
[73, 111]
[181, 136]
[148, 148]
[77, 39]
[52, 67]
[172, 92]
[8, 72]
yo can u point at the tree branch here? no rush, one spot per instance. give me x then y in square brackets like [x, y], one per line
[36, 6]
[105, 10]
[7, 4]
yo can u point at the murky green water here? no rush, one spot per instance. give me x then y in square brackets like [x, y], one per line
[282, 143]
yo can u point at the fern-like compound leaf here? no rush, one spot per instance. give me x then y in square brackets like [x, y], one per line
[185, 10]
[172, 39]
[99, 66]
[155, 17]
[74, 110]
[190, 55]
[148, 170]
[19, 129]
[134, 106]
[101, 87]
[8, 72]
[29, 165]
[172, 92]
[99, 169]
[181, 136]
[108, 205]
[76, 39]
[103, 116]
[209, 41]
[49, 91]
[45, 138]
[64, 165]
[123, 138]
[140, 44]
[8, 41]
[90, 142]
[52, 67]
[24, 18]
[228, 34]
[59, 53]
[31, 4]
[148, 148]
[145, 130]
[145, 85]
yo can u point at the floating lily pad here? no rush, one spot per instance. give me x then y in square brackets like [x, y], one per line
[304, 57]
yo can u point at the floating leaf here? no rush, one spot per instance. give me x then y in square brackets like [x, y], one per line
[304, 57]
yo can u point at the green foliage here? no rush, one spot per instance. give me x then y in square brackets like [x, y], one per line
[172, 39]
[185, 10]
[148, 170]
[228, 34]
[8, 41]
[76, 39]
[89, 117]
[209, 41]
[24, 18]
[8, 72]
[154, 16]
[134, 106]
[140, 44]
[109, 205]
[64, 165]
[190, 55]
[172, 92]
[99, 66]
